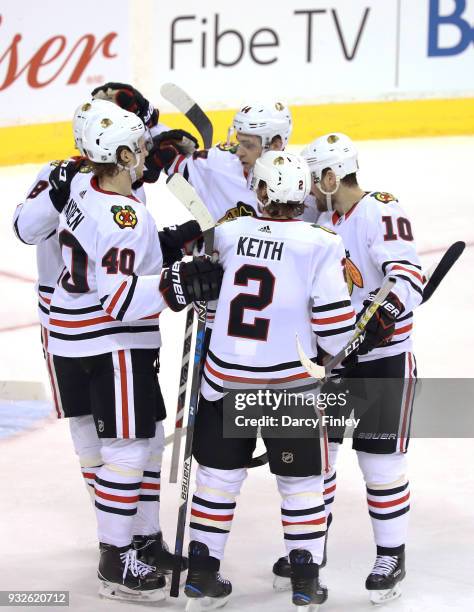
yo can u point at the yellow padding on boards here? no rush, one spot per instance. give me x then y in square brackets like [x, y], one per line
[361, 121]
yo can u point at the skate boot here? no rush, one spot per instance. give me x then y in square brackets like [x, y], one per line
[282, 570]
[384, 580]
[204, 587]
[154, 551]
[307, 590]
[122, 576]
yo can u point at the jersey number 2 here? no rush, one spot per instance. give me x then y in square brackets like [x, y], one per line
[258, 330]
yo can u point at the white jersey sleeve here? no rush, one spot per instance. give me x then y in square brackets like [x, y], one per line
[392, 249]
[36, 219]
[123, 296]
[333, 316]
[219, 180]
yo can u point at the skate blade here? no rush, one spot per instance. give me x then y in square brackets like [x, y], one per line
[109, 590]
[310, 608]
[281, 583]
[205, 603]
[386, 595]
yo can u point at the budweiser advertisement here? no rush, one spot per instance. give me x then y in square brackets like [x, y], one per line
[52, 54]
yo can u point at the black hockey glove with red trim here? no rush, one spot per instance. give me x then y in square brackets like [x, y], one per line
[60, 181]
[198, 280]
[178, 238]
[130, 99]
[380, 328]
[166, 147]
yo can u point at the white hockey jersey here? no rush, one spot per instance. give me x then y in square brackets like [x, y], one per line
[107, 297]
[219, 179]
[35, 222]
[379, 243]
[281, 278]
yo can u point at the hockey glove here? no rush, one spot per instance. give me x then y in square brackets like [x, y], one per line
[178, 238]
[166, 147]
[194, 281]
[60, 181]
[381, 326]
[130, 99]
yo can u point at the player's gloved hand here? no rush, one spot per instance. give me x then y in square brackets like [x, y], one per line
[340, 372]
[166, 147]
[130, 99]
[60, 181]
[178, 238]
[198, 280]
[380, 328]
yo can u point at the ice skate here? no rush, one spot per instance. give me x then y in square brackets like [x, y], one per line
[153, 550]
[384, 580]
[123, 576]
[307, 590]
[282, 570]
[204, 587]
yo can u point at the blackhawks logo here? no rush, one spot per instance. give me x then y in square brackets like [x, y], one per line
[241, 210]
[352, 274]
[124, 216]
[383, 196]
[231, 147]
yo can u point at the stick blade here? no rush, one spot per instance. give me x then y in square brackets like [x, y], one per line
[448, 260]
[313, 369]
[185, 104]
[186, 194]
[177, 96]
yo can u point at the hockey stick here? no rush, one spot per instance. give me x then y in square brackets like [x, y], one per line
[184, 103]
[436, 273]
[321, 372]
[186, 194]
[433, 277]
[183, 380]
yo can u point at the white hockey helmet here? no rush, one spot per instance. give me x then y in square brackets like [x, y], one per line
[286, 175]
[264, 121]
[104, 132]
[335, 151]
[84, 110]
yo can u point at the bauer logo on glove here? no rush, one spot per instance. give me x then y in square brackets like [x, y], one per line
[198, 280]
[381, 327]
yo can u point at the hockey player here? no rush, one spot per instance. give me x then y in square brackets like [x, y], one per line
[104, 341]
[35, 222]
[379, 242]
[222, 174]
[176, 140]
[284, 269]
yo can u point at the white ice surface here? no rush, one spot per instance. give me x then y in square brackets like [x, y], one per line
[46, 521]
